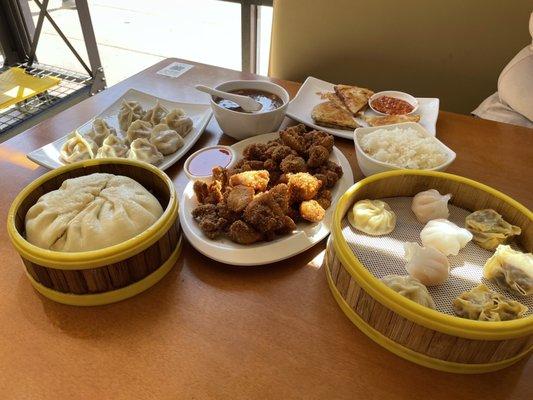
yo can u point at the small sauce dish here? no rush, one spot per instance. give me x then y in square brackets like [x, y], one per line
[199, 165]
[404, 97]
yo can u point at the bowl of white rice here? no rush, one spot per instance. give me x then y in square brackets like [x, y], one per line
[400, 146]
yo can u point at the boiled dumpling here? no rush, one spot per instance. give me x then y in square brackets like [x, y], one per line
[100, 130]
[511, 269]
[155, 114]
[139, 130]
[373, 217]
[445, 236]
[426, 264]
[78, 148]
[143, 150]
[430, 204]
[166, 140]
[411, 288]
[490, 229]
[113, 147]
[483, 304]
[177, 120]
[129, 111]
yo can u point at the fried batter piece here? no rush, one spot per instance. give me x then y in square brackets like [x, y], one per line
[312, 211]
[209, 220]
[318, 155]
[324, 198]
[293, 164]
[328, 173]
[255, 151]
[241, 232]
[238, 197]
[265, 214]
[208, 193]
[292, 137]
[258, 180]
[302, 186]
[319, 138]
[280, 152]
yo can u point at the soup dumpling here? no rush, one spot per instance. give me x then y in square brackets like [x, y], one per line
[511, 270]
[177, 120]
[143, 150]
[129, 111]
[166, 140]
[490, 229]
[411, 288]
[373, 217]
[113, 147]
[78, 148]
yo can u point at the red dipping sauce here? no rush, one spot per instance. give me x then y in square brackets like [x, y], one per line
[392, 106]
[203, 162]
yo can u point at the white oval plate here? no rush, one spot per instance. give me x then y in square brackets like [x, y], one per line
[48, 155]
[228, 252]
[301, 106]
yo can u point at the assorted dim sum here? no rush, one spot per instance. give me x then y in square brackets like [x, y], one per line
[445, 236]
[429, 205]
[112, 147]
[143, 150]
[411, 288]
[155, 114]
[511, 269]
[373, 217]
[129, 111]
[78, 148]
[426, 264]
[177, 120]
[490, 229]
[166, 140]
[100, 130]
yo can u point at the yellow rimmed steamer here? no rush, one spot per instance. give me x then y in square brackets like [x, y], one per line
[111, 274]
[428, 337]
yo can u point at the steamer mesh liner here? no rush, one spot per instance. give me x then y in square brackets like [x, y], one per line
[383, 255]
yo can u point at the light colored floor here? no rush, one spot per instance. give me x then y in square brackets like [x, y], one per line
[134, 34]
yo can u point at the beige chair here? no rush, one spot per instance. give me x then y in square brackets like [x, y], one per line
[451, 49]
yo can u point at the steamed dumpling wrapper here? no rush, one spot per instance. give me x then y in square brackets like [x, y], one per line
[511, 269]
[166, 140]
[143, 150]
[90, 213]
[129, 111]
[78, 148]
[100, 130]
[177, 120]
[373, 217]
[411, 288]
[429, 205]
[139, 130]
[155, 114]
[490, 229]
[113, 147]
[444, 236]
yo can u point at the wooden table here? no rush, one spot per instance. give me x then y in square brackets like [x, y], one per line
[210, 330]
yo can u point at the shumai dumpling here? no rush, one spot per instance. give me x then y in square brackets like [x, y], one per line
[113, 147]
[78, 148]
[511, 269]
[139, 130]
[411, 288]
[155, 114]
[100, 130]
[129, 111]
[143, 150]
[177, 120]
[166, 140]
[482, 304]
[373, 217]
[490, 229]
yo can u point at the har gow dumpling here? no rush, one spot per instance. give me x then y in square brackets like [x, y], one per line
[429, 205]
[511, 269]
[426, 264]
[129, 111]
[166, 140]
[78, 148]
[113, 147]
[155, 114]
[482, 304]
[411, 288]
[139, 130]
[490, 229]
[177, 120]
[100, 130]
[373, 217]
[143, 150]
[445, 236]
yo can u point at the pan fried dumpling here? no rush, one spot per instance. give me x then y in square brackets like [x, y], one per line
[490, 229]
[113, 147]
[129, 111]
[511, 269]
[444, 236]
[426, 264]
[100, 131]
[155, 114]
[139, 130]
[411, 288]
[373, 217]
[482, 304]
[430, 204]
[166, 140]
[78, 148]
[143, 150]
[177, 120]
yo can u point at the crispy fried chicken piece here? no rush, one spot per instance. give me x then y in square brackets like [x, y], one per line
[312, 211]
[319, 138]
[318, 155]
[293, 139]
[329, 173]
[255, 151]
[288, 225]
[221, 174]
[324, 198]
[238, 197]
[258, 180]
[208, 193]
[264, 214]
[270, 165]
[209, 220]
[280, 194]
[241, 232]
[280, 152]
[293, 164]
[303, 186]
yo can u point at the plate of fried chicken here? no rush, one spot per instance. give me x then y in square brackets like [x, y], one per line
[273, 202]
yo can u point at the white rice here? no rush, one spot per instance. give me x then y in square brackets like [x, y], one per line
[404, 148]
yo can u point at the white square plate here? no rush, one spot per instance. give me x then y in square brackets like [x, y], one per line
[301, 106]
[48, 155]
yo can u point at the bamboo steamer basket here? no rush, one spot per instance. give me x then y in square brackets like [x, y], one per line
[110, 274]
[422, 335]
